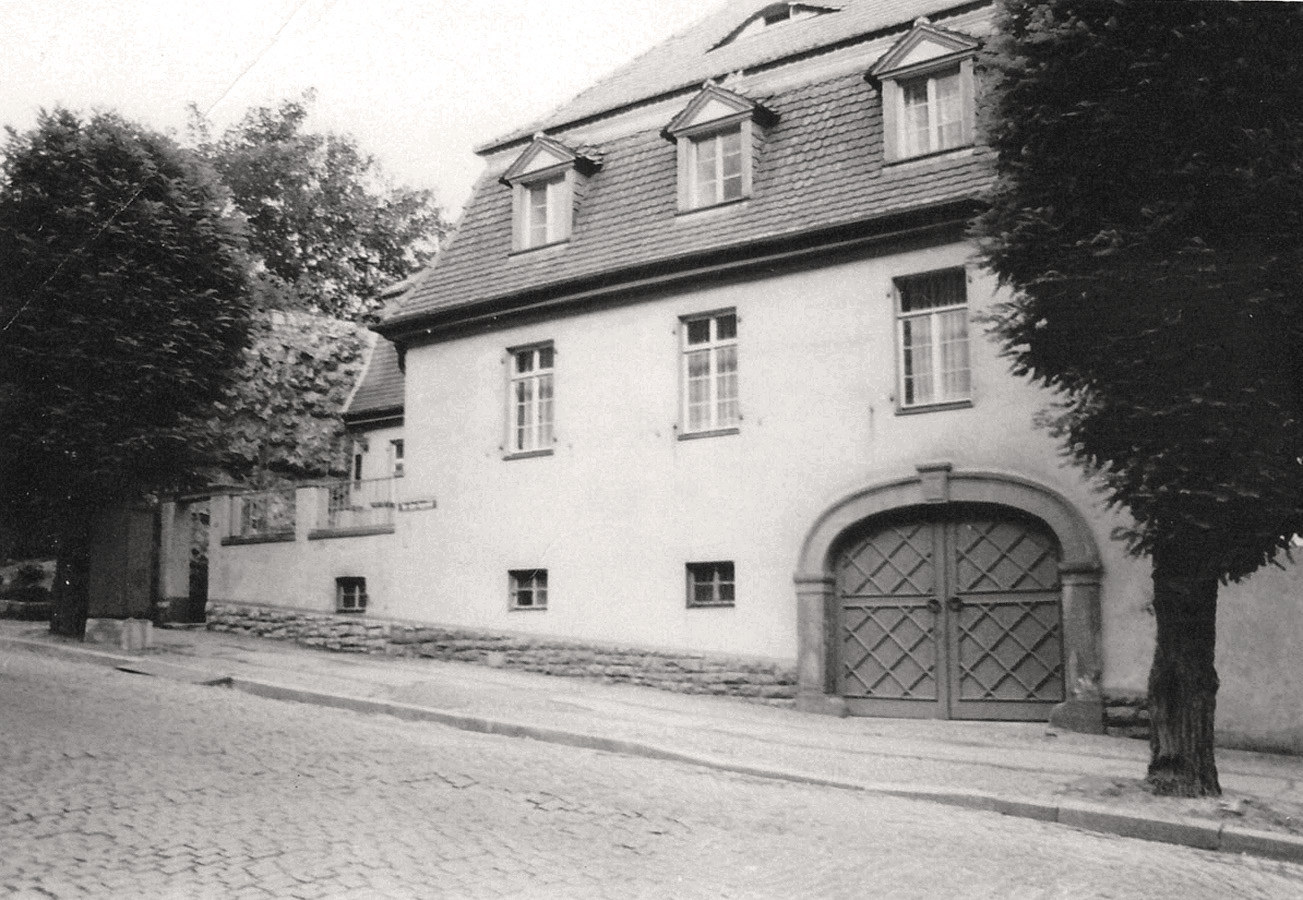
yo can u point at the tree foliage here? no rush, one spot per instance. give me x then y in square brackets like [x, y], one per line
[1148, 211]
[124, 305]
[281, 418]
[330, 230]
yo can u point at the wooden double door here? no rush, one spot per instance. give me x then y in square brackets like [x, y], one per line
[951, 611]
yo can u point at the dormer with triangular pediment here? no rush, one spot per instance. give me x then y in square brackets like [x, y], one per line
[718, 135]
[546, 182]
[927, 87]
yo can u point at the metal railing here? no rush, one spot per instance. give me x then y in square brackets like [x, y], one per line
[263, 514]
[367, 503]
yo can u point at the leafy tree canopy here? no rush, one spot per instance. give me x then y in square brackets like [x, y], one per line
[124, 308]
[1149, 214]
[330, 230]
[281, 418]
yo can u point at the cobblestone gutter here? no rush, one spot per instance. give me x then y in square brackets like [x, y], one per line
[687, 673]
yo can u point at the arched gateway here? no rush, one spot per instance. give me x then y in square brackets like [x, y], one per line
[969, 595]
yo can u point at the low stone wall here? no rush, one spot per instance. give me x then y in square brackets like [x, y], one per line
[1127, 716]
[688, 673]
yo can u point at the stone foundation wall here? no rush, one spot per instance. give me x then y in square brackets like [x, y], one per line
[1127, 716]
[688, 673]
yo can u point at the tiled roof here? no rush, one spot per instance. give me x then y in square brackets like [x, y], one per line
[819, 167]
[687, 60]
[380, 390]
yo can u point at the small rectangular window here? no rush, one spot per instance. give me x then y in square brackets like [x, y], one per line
[530, 409]
[396, 458]
[710, 388]
[350, 595]
[933, 338]
[716, 168]
[710, 584]
[543, 213]
[528, 588]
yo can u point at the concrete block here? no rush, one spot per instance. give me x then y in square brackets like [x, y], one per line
[1270, 844]
[1148, 828]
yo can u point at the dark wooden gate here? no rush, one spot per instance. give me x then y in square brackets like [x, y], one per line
[950, 612]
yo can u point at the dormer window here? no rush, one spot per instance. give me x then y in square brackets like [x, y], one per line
[716, 135]
[546, 181]
[926, 82]
[774, 14]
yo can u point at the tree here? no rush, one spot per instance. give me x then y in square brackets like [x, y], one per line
[124, 306]
[330, 231]
[1148, 213]
[281, 418]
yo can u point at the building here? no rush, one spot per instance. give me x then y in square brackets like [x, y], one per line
[701, 376]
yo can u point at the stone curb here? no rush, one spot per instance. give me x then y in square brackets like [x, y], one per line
[1088, 817]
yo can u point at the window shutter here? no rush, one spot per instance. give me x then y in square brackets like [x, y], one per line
[967, 89]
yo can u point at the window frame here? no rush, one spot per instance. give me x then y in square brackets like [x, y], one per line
[715, 424]
[936, 357]
[559, 209]
[541, 442]
[895, 120]
[358, 605]
[533, 581]
[689, 143]
[715, 570]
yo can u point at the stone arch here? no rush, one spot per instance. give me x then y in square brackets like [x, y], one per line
[937, 483]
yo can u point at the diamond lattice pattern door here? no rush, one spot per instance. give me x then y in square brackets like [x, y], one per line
[887, 584]
[1006, 634]
[954, 615]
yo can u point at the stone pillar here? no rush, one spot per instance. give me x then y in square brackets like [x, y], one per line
[1083, 668]
[816, 623]
[309, 509]
[173, 558]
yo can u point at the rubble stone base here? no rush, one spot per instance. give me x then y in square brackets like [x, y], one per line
[683, 672]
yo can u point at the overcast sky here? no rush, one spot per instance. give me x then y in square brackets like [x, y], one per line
[419, 83]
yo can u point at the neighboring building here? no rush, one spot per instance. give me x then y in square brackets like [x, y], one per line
[702, 370]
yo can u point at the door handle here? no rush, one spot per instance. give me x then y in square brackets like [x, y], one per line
[934, 606]
[955, 604]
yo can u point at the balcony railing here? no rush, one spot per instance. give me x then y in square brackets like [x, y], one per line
[361, 504]
[266, 514]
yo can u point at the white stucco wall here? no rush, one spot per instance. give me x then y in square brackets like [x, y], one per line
[374, 444]
[622, 504]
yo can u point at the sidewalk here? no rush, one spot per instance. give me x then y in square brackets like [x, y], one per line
[1022, 769]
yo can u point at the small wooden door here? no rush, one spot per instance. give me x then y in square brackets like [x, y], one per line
[950, 612]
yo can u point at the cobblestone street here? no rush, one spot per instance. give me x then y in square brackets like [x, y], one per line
[117, 785]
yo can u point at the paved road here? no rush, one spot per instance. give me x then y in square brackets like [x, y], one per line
[115, 785]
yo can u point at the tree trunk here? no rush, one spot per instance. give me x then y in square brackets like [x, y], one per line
[1183, 680]
[70, 598]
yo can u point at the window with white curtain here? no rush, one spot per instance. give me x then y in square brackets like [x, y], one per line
[932, 336]
[530, 406]
[710, 394]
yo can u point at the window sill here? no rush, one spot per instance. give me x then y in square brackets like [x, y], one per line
[526, 609]
[722, 605]
[925, 157]
[688, 212]
[318, 534]
[350, 612]
[275, 538]
[933, 407]
[525, 251]
[527, 454]
[716, 432]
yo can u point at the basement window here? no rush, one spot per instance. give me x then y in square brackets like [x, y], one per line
[350, 595]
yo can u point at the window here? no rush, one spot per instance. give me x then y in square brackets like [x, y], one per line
[717, 135]
[530, 422]
[350, 595]
[715, 168]
[528, 588]
[927, 83]
[710, 396]
[933, 335]
[357, 465]
[710, 584]
[396, 458]
[931, 114]
[545, 216]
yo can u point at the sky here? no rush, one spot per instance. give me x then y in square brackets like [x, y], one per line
[418, 83]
